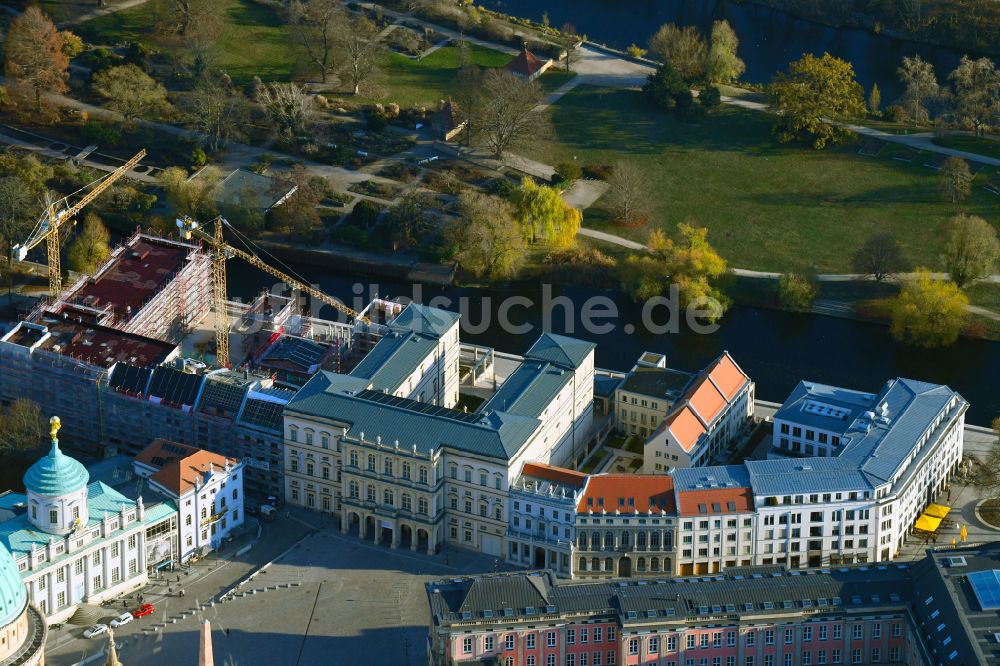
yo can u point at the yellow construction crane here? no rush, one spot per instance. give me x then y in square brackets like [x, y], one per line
[223, 250]
[48, 226]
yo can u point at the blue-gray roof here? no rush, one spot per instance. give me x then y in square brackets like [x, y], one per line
[560, 350]
[330, 396]
[56, 474]
[881, 445]
[529, 389]
[424, 320]
[396, 356]
[807, 475]
[847, 405]
[702, 478]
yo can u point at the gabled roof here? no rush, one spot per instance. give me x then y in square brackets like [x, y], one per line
[685, 427]
[180, 467]
[628, 493]
[525, 63]
[715, 501]
[448, 117]
[560, 350]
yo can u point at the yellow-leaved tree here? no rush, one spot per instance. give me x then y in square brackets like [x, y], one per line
[929, 312]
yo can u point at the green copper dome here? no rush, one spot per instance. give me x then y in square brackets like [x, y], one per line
[13, 595]
[56, 474]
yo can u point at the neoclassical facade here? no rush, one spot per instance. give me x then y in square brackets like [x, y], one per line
[77, 542]
[23, 629]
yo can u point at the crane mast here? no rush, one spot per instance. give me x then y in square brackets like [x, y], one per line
[48, 226]
[222, 251]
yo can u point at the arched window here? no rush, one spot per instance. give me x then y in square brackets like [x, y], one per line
[595, 564]
[609, 541]
[498, 481]
[354, 459]
[626, 539]
[595, 540]
[641, 564]
[406, 502]
[640, 540]
[370, 491]
[654, 541]
[422, 506]
[654, 564]
[609, 564]
[497, 513]
[309, 436]
[371, 462]
[387, 466]
[583, 564]
[453, 471]
[583, 541]
[423, 475]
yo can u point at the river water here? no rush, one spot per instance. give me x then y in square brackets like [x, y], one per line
[769, 39]
[775, 348]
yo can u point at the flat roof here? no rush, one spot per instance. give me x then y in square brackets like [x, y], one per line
[132, 276]
[94, 344]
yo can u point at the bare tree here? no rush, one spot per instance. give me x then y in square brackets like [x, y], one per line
[920, 87]
[684, 48]
[572, 55]
[362, 54]
[629, 194]
[470, 99]
[22, 427]
[17, 213]
[217, 111]
[186, 18]
[316, 27]
[881, 257]
[507, 118]
[288, 107]
[955, 179]
[977, 92]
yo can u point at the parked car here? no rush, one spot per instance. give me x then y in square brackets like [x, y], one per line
[95, 631]
[268, 511]
[124, 618]
[143, 610]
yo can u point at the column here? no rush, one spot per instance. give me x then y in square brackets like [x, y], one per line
[362, 521]
[432, 540]
[394, 540]
[105, 562]
[378, 531]
[414, 538]
[343, 521]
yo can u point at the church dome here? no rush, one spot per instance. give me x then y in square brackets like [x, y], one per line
[13, 595]
[56, 474]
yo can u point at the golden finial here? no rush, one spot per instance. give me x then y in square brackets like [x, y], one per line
[54, 425]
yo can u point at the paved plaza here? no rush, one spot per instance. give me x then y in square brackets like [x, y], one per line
[332, 599]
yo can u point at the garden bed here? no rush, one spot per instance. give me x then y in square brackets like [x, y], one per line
[377, 189]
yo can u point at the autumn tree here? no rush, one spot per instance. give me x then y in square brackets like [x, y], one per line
[191, 196]
[217, 110]
[298, 215]
[542, 214]
[187, 19]
[813, 91]
[486, 239]
[90, 247]
[875, 101]
[976, 86]
[797, 291]
[629, 194]
[928, 312]
[362, 55]
[971, 249]
[33, 54]
[881, 257]
[18, 211]
[22, 428]
[724, 65]
[955, 179]
[572, 54]
[130, 91]
[684, 48]
[287, 105]
[315, 29]
[507, 117]
[920, 88]
[689, 262]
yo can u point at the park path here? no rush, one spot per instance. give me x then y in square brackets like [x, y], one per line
[88, 15]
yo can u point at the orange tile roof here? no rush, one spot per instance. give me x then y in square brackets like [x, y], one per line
[566, 477]
[727, 376]
[628, 492]
[714, 501]
[706, 400]
[180, 466]
[685, 427]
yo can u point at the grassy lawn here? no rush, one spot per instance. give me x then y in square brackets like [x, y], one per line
[253, 42]
[985, 295]
[972, 144]
[767, 206]
[424, 82]
[554, 79]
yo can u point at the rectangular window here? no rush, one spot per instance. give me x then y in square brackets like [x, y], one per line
[529, 641]
[508, 642]
[584, 636]
[807, 633]
[467, 645]
[571, 637]
[550, 639]
[488, 644]
[633, 646]
[751, 638]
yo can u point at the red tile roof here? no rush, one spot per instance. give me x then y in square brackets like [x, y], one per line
[525, 63]
[627, 493]
[706, 400]
[566, 477]
[180, 466]
[714, 388]
[727, 376]
[685, 427]
[714, 501]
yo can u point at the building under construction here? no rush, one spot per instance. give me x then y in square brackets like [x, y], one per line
[108, 356]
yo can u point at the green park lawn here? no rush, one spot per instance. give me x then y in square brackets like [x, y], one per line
[423, 82]
[767, 206]
[989, 146]
[253, 42]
